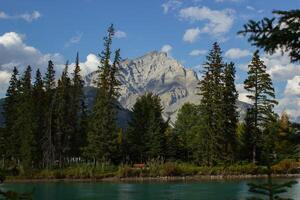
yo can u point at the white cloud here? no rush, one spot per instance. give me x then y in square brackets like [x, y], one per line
[250, 8]
[14, 52]
[120, 34]
[280, 67]
[29, 17]
[217, 22]
[89, 65]
[74, 40]
[243, 93]
[171, 5]
[236, 53]
[290, 102]
[167, 48]
[197, 52]
[191, 35]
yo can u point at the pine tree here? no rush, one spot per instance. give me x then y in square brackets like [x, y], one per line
[39, 111]
[273, 34]
[10, 137]
[211, 106]
[259, 85]
[187, 117]
[102, 134]
[25, 125]
[248, 136]
[50, 93]
[146, 129]
[63, 118]
[78, 110]
[230, 111]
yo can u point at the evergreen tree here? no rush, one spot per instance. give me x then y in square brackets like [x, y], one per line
[280, 33]
[10, 137]
[230, 111]
[78, 110]
[102, 133]
[259, 85]
[50, 93]
[38, 98]
[146, 129]
[248, 136]
[211, 106]
[63, 123]
[187, 118]
[25, 125]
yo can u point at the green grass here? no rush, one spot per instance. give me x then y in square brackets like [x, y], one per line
[154, 168]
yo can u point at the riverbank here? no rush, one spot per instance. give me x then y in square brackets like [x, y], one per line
[154, 171]
[195, 178]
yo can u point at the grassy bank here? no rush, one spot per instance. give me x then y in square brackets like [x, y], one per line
[154, 169]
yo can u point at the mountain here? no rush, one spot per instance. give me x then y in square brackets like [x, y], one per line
[163, 75]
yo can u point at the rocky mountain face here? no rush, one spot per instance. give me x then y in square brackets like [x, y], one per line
[158, 73]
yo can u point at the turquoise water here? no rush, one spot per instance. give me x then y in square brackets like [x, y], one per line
[206, 190]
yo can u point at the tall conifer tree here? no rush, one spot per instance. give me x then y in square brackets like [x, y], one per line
[102, 133]
[230, 112]
[10, 137]
[211, 106]
[260, 87]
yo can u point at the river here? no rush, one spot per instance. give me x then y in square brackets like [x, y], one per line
[206, 190]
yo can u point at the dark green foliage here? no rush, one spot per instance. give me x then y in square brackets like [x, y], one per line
[218, 99]
[50, 95]
[187, 118]
[272, 34]
[78, 111]
[102, 132]
[38, 97]
[63, 117]
[262, 94]
[10, 140]
[24, 126]
[248, 137]
[230, 111]
[146, 131]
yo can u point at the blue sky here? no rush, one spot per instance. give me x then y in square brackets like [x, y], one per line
[34, 31]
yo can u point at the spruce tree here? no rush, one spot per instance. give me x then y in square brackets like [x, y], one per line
[10, 136]
[259, 85]
[38, 98]
[230, 97]
[50, 93]
[25, 124]
[103, 132]
[63, 119]
[146, 129]
[78, 110]
[187, 118]
[211, 106]
[276, 33]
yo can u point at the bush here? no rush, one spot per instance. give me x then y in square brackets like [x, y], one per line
[286, 166]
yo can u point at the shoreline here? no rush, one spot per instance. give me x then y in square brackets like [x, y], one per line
[196, 178]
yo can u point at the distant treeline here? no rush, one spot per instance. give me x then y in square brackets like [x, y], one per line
[47, 123]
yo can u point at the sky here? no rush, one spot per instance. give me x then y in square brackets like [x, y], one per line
[34, 31]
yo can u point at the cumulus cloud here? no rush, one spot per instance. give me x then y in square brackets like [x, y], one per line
[191, 35]
[29, 17]
[217, 22]
[167, 48]
[120, 34]
[74, 40]
[15, 52]
[236, 53]
[280, 67]
[243, 93]
[197, 52]
[171, 5]
[89, 65]
[293, 87]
